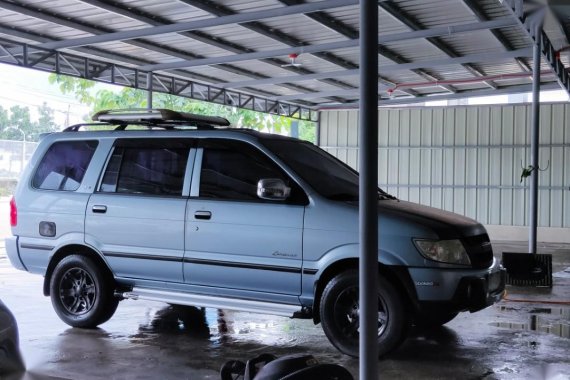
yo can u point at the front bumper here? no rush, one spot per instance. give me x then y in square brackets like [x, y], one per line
[476, 293]
[455, 290]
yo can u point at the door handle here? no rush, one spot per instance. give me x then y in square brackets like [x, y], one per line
[99, 209]
[204, 215]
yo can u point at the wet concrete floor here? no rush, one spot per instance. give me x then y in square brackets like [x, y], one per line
[151, 340]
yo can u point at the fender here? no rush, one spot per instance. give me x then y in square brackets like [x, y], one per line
[351, 251]
[65, 247]
[312, 271]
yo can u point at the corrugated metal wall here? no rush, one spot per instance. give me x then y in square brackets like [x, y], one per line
[465, 159]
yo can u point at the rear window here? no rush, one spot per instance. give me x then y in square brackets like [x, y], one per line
[155, 169]
[64, 165]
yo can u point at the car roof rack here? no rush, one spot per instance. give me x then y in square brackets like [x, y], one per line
[160, 118]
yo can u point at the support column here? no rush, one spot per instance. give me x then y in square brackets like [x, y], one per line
[534, 141]
[295, 129]
[149, 90]
[368, 141]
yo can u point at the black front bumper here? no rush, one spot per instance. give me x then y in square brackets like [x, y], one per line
[476, 293]
[473, 293]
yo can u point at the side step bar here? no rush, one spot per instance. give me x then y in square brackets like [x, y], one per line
[178, 298]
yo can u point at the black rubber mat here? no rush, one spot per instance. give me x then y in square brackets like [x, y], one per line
[528, 269]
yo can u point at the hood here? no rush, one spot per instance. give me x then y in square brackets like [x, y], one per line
[447, 225]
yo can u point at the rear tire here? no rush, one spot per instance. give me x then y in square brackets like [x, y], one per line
[82, 293]
[339, 314]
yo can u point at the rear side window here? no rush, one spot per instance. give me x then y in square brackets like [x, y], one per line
[64, 165]
[153, 170]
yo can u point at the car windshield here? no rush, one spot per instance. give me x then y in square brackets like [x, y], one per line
[326, 174]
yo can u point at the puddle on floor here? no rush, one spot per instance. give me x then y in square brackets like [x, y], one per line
[550, 320]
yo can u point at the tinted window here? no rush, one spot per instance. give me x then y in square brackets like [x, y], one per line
[154, 170]
[231, 170]
[64, 165]
[328, 175]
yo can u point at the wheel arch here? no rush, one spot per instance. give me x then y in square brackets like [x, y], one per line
[73, 249]
[397, 275]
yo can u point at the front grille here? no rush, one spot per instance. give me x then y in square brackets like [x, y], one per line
[479, 250]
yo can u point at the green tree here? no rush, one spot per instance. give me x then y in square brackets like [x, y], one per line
[45, 122]
[85, 92]
[18, 122]
[3, 118]
[81, 88]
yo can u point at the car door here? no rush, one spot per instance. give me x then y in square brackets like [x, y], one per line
[234, 239]
[136, 217]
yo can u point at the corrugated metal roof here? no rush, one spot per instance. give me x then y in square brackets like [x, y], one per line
[38, 21]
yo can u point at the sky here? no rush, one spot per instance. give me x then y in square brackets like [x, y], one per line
[26, 87]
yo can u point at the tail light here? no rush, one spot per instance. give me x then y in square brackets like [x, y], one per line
[13, 213]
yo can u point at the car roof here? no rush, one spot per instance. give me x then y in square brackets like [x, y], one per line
[159, 123]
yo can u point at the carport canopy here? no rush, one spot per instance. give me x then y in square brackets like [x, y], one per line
[290, 57]
[293, 58]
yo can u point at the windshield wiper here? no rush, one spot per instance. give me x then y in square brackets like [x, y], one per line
[382, 195]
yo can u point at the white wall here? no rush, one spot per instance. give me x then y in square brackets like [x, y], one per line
[467, 160]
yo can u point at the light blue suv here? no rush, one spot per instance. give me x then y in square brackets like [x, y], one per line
[168, 206]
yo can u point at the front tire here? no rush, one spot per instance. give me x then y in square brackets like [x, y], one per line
[82, 293]
[339, 314]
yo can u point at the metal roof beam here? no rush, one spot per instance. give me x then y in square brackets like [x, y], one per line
[561, 11]
[464, 59]
[303, 49]
[478, 11]
[392, 9]
[471, 58]
[381, 88]
[352, 33]
[323, 94]
[347, 31]
[290, 78]
[517, 89]
[199, 24]
[180, 85]
[254, 55]
[46, 15]
[57, 19]
[200, 36]
[32, 36]
[442, 31]
[527, 23]
[277, 35]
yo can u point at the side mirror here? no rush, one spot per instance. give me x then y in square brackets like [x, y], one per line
[273, 189]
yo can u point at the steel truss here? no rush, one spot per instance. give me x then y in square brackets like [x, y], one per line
[528, 24]
[60, 62]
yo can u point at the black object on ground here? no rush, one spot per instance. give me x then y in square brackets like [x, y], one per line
[290, 367]
[528, 269]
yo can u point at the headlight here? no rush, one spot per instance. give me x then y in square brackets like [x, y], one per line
[445, 251]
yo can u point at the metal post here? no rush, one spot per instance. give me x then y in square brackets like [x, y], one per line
[368, 279]
[295, 129]
[23, 151]
[23, 158]
[149, 90]
[534, 141]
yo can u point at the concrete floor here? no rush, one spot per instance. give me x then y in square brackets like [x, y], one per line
[149, 340]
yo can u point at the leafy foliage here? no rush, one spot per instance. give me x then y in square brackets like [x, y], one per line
[16, 123]
[85, 92]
